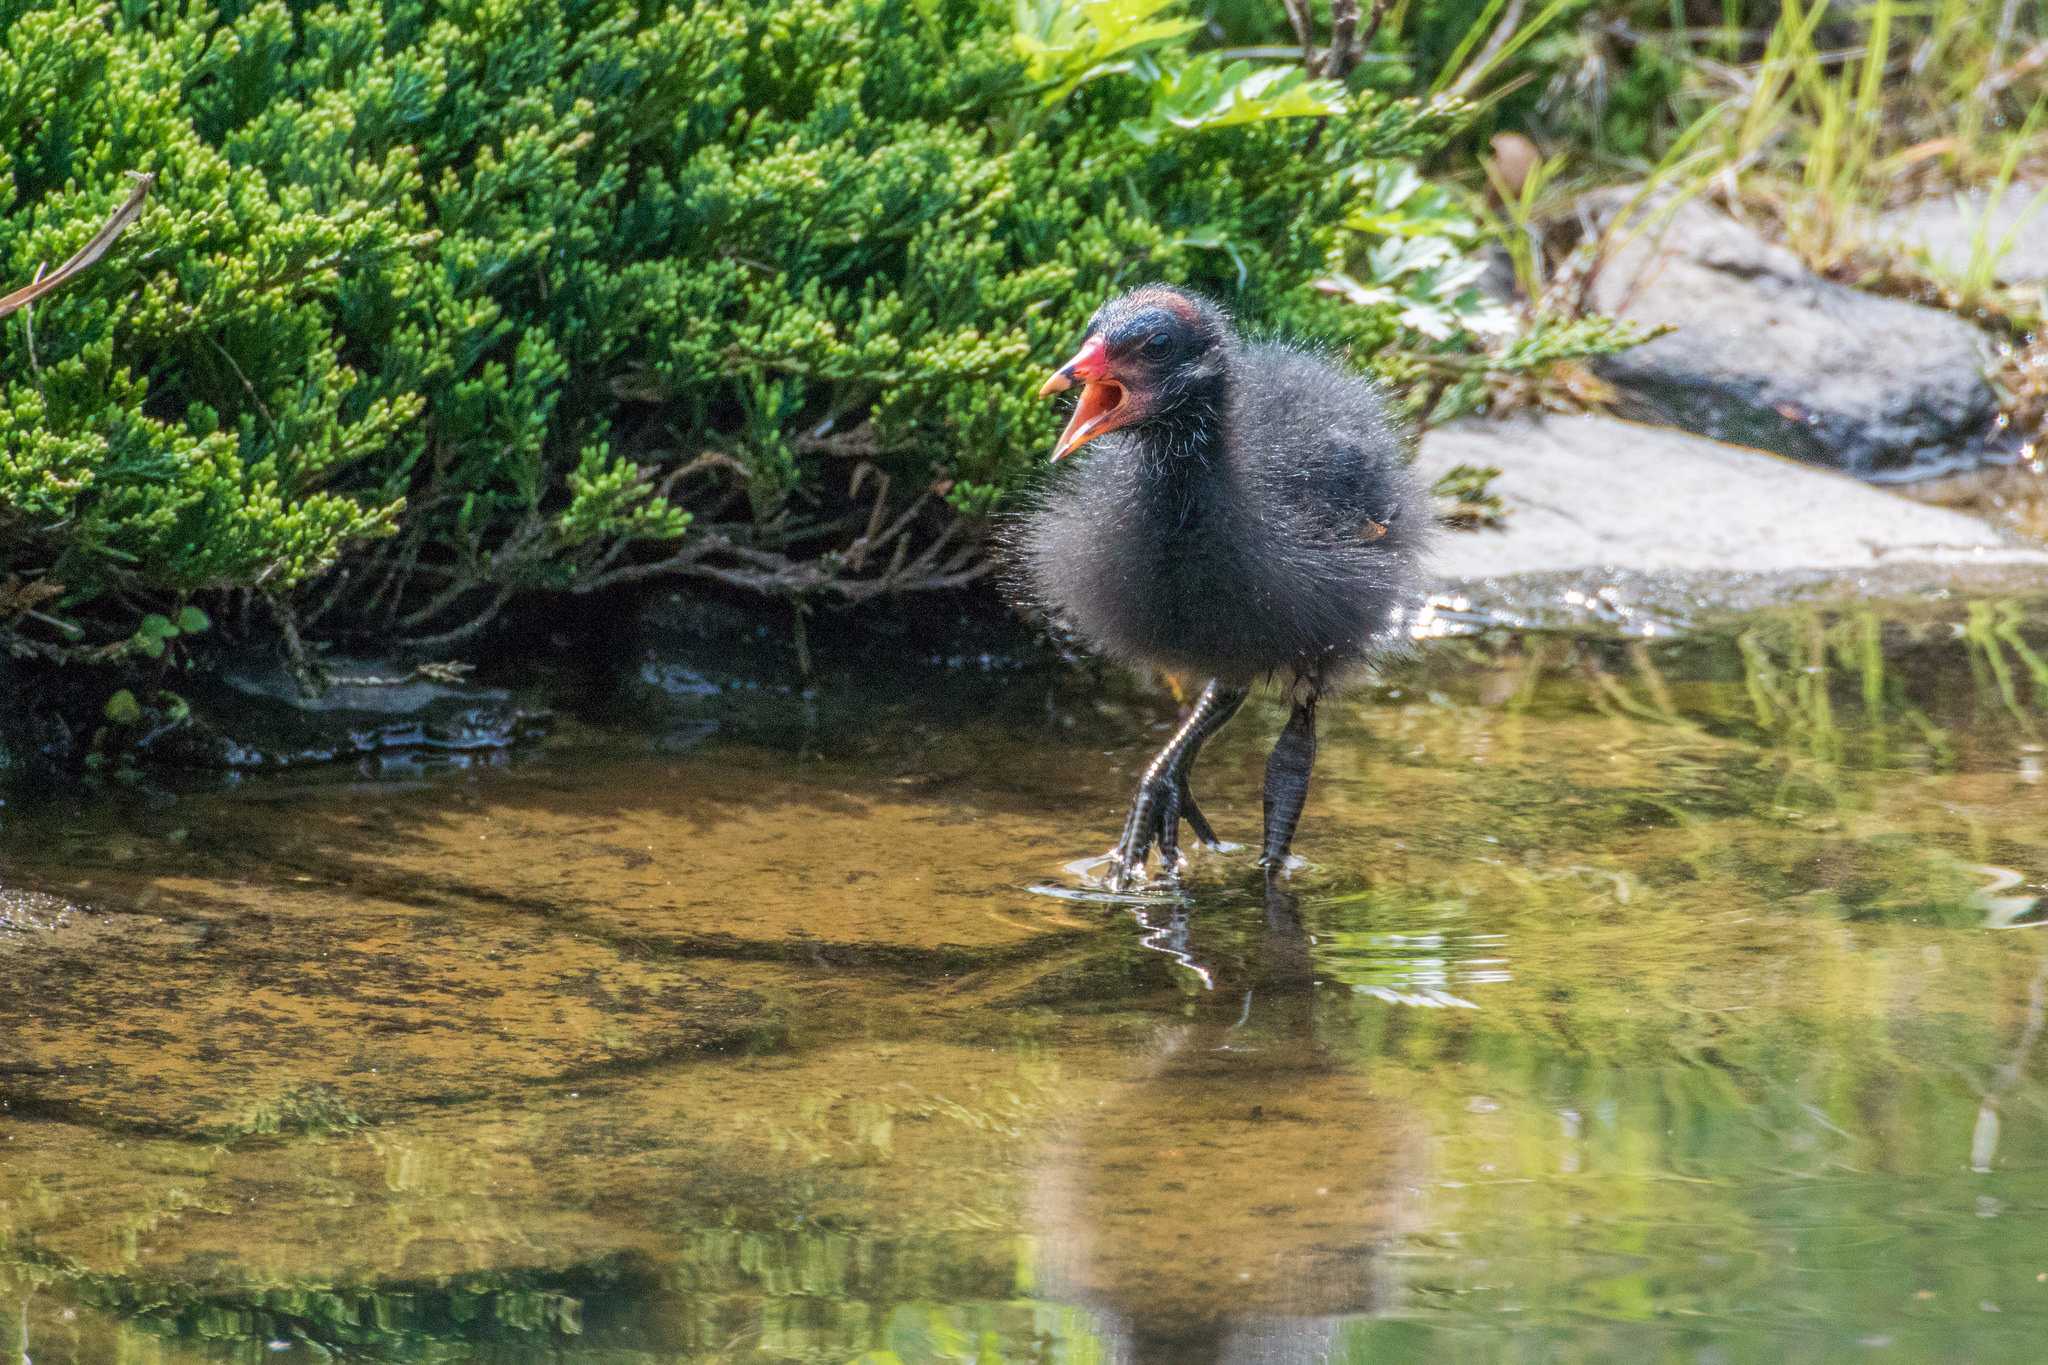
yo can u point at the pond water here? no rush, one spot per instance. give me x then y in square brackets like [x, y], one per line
[1672, 1001]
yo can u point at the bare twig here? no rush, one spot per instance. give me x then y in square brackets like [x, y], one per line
[721, 555]
[451, 672]
[1302, 18]
[1343, 27]
[857, 553]
[471, 627]
[1346, 42]
[859, 443]
[249, 388]
[1372, 26]
[87, 254]
[28, 332]
[709, 459]
[305, 669]
[2026, 64]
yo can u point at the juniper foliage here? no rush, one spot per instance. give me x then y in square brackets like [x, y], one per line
[438, 302]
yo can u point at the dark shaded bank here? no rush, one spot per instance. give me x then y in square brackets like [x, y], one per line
[680, 665]
[669, 657]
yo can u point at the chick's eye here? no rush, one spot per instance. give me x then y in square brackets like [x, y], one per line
[1159, 343]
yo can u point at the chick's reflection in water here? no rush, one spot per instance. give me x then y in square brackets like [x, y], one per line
[1231, 1202]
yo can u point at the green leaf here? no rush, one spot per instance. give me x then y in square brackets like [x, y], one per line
[1203, 93]
[193, 621]
[1070, 42]
[122, 708]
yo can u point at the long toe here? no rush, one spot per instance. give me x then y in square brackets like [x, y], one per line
[1154, 820]
[1192, 813]
[1168, 822]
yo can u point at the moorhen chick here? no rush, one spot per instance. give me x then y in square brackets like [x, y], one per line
[1246, 510]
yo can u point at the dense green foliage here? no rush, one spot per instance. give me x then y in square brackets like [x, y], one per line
[435, 304]
[439, 302]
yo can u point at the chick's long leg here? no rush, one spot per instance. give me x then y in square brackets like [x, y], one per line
[1287, 773]
[1179, 800]
[1224, 702]
[1163, 797]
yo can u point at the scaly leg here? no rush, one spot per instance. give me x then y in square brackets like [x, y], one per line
[1163, 798]
[1287, 772]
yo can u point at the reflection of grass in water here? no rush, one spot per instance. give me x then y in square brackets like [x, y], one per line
[1798, 670]
[1635, 1128]
[1757, 1024]
[827, 1296]
[1990, 629]
[400, 1321]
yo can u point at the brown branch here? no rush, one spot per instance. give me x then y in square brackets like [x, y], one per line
[468, 628]
[86, 255]
[708, 459]
[716, 554]
[859, 443]
[1372, 25]
[304, 668]
[1301, 17]
[857, 553]
[1342, 56]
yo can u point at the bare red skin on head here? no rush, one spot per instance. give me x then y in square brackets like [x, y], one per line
[1171, 300]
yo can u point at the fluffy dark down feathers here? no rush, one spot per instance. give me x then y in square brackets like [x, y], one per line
[1284, 533]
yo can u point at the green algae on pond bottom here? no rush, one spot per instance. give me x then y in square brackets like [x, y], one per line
[1641, 1002]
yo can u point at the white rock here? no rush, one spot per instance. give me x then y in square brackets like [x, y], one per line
[1594, 499]
[1945, 228]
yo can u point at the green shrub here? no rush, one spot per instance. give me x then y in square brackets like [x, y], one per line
[439, 303]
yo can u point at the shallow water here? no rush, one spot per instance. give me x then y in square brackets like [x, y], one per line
[1638, 1002]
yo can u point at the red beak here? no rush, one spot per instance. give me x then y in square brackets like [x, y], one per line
[1104, 400]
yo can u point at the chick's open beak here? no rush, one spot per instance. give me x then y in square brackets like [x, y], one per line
[1104, 401]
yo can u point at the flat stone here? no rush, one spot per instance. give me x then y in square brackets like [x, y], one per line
[1768, 354]
[1633, 518]
[1945, 228]
[253, 715]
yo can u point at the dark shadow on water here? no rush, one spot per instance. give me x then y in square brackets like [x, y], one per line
[1158, 1210]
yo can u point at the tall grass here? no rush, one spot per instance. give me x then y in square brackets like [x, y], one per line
[1847, 109]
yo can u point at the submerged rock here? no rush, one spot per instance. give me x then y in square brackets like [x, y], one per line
[1767, 354]
[254, 715]
[201, 1011]
[1643, 529]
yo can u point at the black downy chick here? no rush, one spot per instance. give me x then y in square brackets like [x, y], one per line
[1246, 510]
